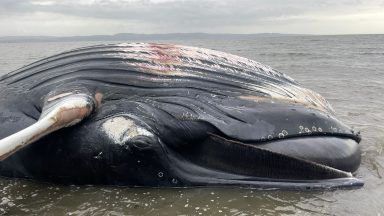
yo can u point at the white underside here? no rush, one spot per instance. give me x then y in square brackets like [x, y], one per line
[121, 129]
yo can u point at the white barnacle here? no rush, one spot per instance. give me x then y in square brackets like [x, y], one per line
[160, 174]
[301, 128]
[121, 129]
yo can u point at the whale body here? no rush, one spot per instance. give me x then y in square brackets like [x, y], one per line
[164, 115]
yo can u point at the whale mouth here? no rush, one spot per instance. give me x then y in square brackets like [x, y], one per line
[340, 153]
[308, 162]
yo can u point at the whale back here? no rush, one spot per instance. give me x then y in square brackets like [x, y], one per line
[166, 66]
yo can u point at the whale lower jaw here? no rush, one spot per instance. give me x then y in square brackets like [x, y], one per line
[197, 176]
[272, 166]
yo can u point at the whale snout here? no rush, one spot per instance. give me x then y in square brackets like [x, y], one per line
[276, 142]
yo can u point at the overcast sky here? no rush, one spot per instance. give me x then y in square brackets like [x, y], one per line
[89, 17]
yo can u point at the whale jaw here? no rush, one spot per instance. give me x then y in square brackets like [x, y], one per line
[295, 163]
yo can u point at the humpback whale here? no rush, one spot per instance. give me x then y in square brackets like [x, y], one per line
[162, 115]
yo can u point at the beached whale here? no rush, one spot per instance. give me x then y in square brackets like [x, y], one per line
[169, 116]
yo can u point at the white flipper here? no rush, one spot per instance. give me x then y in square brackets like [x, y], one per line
[60, 113]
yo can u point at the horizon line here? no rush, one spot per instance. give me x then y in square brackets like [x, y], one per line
[191, 33]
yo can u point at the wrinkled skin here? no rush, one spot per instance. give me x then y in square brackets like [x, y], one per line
[170, 115]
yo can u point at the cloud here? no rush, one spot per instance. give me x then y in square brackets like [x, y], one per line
[82, 17]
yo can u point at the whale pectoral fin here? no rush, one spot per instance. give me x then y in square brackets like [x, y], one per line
[59, 111]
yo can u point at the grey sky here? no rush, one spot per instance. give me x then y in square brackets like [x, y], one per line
[86, 17]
